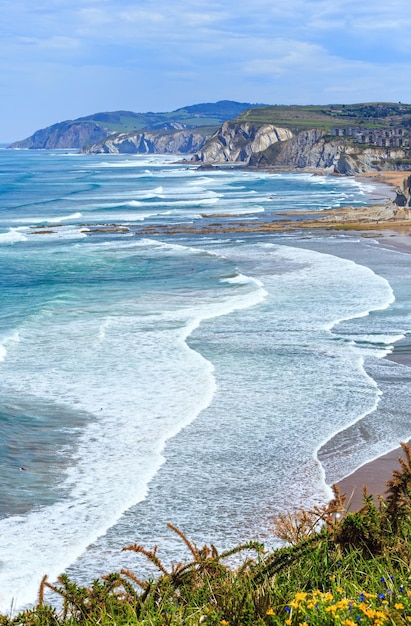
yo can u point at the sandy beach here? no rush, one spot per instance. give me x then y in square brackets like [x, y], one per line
[373, 475]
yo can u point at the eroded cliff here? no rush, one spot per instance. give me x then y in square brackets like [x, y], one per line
[267, 146]
[314, 149]
[237, 142]
[155, 142]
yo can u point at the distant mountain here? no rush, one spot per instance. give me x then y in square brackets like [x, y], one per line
[91, 129]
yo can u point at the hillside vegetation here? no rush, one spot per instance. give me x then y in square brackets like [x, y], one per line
[338, 568]
[325, 117]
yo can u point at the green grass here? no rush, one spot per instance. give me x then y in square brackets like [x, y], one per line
[336, 568]
[325, 117]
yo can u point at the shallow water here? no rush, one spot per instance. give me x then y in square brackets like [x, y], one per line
[189, 380]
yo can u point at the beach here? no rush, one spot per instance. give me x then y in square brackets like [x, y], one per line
[397, 236]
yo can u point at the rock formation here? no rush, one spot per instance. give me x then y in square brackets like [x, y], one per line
[237, 142]
[150, 142]
[269, 146]
[402, 200]
[64, 135]
[314, 149]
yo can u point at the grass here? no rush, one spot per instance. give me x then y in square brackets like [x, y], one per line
[326, 117]
[336, 568]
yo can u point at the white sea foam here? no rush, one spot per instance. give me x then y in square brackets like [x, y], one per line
[121, 448]
[36, 219]
[121, 356]
[5, 341]
[12, 236]
[63, 218]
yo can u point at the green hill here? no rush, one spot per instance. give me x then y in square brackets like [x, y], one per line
[325, 117]
[82, 131]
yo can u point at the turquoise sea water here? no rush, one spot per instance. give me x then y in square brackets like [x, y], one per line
[208, 382]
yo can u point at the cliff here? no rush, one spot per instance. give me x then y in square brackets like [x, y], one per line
[70, 134]
[93, 128]
[237, 142]
[314, 149]
[269, 146]
[155, 142]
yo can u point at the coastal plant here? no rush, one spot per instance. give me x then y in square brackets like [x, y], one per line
[336, 567]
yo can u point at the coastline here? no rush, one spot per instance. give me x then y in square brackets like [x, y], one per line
[392, 228]
[382, 221]
[375, 474]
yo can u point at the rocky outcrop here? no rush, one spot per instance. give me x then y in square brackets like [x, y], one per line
[154, 142]
[237, 142]
[402, 199]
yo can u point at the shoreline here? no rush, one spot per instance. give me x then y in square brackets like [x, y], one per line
[374, 475]
[382, 221]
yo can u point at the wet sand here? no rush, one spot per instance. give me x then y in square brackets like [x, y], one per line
[374, 475]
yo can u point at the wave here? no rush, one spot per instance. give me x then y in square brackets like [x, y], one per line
[121, 447]
[5, 341]
[12, 236]
[63, 218]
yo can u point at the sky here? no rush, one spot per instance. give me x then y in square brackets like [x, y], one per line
[63, 59]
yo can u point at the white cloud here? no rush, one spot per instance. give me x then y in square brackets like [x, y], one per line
[169, 54]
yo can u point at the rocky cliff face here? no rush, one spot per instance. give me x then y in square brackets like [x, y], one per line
[267, 146]
[64, 135]
[311, 149]
[238, 142]
[155, 142]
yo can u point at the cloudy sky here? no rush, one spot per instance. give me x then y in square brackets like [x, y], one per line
[61, 59]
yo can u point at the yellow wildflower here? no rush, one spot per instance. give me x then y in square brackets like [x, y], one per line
[224, 622]
[398, 606]
[269, 612]
[301, 595]
[288, 621]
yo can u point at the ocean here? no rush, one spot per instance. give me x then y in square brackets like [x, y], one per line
[210, 382]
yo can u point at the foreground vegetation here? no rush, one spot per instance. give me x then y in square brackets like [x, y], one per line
[337, 568]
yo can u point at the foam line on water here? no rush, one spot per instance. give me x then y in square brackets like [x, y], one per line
[379, 296]
[120, 450]
[12, 236]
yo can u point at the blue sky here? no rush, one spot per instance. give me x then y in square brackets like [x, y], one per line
[61, 59]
